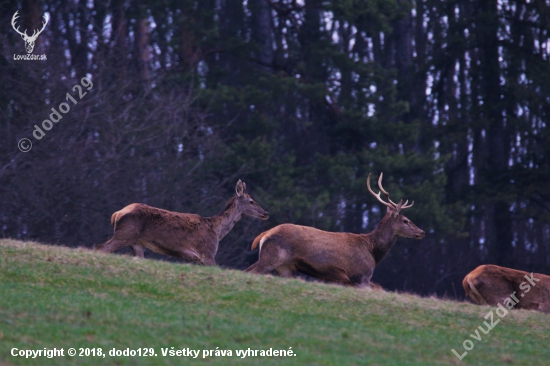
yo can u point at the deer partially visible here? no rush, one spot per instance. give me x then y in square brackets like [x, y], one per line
[344, 258]
[182, 235]
[490, 285]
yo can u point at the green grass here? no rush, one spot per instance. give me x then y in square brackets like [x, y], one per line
[59, 297]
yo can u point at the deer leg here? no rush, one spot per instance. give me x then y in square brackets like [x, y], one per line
[545, 307]
[529, 306]
[112, 244]
[285, 271]
[340, 276]
[191, 256]
[119, 240]
[139, 250]
[369, 284]
[251, 268]
[363, 280]
[209, 262]
[261, 267]
[375, 286]
[271, 257]
[326, 272]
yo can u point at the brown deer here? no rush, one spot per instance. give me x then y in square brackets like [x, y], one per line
[182, 235]
[490, 285]
[344, 258]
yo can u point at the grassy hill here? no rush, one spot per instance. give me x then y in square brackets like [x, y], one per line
[60, 297]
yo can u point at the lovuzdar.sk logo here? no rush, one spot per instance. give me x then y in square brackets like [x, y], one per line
[29, 40]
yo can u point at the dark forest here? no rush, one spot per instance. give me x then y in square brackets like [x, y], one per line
[299, 99]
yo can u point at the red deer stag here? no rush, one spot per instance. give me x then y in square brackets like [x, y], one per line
[183, 235]
[344, 258]
[491, 285]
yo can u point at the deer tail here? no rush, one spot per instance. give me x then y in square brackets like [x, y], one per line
[114, 220]
[257, 240]
[472, 292]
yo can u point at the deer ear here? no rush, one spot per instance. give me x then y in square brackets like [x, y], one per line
[239, 188]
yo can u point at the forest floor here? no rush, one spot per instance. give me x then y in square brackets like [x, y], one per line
[58, 297]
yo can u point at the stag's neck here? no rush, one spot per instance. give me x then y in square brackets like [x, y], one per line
[224, 222]
[381, 239]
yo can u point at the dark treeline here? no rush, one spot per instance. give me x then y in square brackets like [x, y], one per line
[299, 99]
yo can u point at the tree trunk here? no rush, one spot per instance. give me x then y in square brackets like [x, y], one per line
[262, 33]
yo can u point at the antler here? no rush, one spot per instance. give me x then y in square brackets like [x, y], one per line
[34, 36]
[384, 191]
[390, 203]
[13, 19]
[407, 206]
[24, 34]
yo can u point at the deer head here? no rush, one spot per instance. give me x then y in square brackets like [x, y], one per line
[29, 41]
[402, 226]
[246, 205]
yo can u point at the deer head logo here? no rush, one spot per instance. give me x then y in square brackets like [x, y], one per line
[29, 41]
